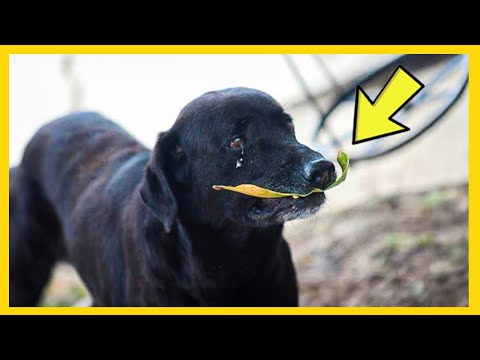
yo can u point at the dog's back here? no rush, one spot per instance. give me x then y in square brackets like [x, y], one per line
[68, 161]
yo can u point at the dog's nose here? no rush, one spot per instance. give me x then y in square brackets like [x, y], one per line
[319, 172]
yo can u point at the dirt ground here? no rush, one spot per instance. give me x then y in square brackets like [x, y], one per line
[408, 250]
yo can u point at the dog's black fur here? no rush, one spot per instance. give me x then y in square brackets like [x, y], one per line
[145, 228]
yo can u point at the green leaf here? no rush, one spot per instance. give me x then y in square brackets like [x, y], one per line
[257, 191]
[344, 162]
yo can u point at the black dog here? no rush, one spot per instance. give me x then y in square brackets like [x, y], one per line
[146, 228]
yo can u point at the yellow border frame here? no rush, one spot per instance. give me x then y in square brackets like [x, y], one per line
[474, 127]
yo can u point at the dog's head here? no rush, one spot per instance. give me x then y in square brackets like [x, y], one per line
[231, 137]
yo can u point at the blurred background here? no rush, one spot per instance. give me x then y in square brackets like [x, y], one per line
[394, 234]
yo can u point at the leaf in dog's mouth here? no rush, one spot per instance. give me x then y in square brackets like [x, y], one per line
[257, 191]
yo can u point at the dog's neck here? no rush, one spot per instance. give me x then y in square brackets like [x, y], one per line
[229, 236]
[202, 251]
[230, 254]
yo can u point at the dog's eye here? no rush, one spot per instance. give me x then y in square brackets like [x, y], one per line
[236, 143]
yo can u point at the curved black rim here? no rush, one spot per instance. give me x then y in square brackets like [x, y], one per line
[347, 94]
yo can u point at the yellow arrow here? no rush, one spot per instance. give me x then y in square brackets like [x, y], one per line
[373, 120]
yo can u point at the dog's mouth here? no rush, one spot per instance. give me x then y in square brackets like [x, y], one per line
[285, 209]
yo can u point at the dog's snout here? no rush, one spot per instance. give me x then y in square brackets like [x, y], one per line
[319, 172]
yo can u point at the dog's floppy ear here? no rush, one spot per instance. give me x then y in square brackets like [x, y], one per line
[156, 192]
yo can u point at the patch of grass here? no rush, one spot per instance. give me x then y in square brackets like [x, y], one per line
[459, 252]
[417, 287]
[392, 241]
[433, 199]
[425, 240]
